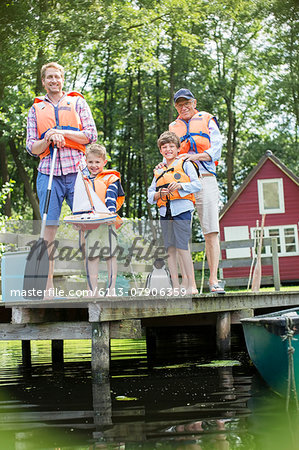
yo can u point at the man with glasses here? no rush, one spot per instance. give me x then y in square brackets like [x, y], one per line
[201, 142]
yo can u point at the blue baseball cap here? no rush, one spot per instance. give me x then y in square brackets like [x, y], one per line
[184, 93]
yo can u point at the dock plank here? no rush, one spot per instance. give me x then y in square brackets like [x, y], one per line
[118, 308]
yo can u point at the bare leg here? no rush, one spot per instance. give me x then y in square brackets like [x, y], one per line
[92, 271]
[49, 237]
[173, 269]
[213, 252]
[187, 264]
[185, 276]
[112, 273]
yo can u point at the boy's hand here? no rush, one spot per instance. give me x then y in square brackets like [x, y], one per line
[163, 193]
[174, 186]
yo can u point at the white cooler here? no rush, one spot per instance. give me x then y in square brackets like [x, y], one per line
[12, 275]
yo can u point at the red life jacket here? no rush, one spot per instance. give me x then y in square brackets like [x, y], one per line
[61, 116]
[175, 172]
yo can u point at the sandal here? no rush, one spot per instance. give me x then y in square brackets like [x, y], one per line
[217, 288]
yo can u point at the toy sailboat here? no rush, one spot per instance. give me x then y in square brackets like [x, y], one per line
[88, 210]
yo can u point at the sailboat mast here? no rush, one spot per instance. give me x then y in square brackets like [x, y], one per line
[87, 190]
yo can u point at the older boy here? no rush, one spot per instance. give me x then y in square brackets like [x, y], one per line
[107, 185]
[172, 189]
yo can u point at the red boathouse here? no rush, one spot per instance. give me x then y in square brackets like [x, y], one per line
[271, 189]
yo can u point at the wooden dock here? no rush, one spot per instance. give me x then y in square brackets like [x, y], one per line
[128, 317]
[105, 318]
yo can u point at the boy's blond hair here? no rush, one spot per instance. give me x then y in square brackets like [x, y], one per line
[168, 137]
[96, 149]
[53, 64]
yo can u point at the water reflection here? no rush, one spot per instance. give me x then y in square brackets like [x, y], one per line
[172, 403]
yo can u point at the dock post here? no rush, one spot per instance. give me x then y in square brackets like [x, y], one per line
[57, 352]
[151, 340]
[100, 350]
[100, 344]
[26, 353]
[151, 345]
[223, 336]
[102, 404]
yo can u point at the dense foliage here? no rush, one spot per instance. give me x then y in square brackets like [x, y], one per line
[240, 58]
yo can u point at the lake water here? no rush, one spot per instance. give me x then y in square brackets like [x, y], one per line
[183, 397]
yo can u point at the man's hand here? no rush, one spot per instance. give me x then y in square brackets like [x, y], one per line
[204, 156]
[160, 166]
[56, 137]
[190, 157]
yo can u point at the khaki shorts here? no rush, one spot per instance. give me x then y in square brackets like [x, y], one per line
[206, 203]
[99, 240]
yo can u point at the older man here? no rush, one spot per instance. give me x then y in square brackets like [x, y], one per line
[63, 120]
[201, 142]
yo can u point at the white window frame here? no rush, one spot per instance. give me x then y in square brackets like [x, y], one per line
[280, 229]
[262, 209]
[237, 233]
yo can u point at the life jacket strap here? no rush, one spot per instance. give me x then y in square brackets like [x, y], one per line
[60, 128]
[165, 171]
[189, 138]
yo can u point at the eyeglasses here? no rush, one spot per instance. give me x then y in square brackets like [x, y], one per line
[188, 104]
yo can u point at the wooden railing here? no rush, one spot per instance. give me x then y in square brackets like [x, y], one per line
[245, 262]
[64, 268]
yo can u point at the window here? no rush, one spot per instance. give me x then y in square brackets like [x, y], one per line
[237, 234]
[271, 197]
[287, 239]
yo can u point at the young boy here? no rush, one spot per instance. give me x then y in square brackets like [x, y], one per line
[172, 189]
[107, 185]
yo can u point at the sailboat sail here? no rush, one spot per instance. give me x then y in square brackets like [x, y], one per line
[99, 206]
[81, 201]
[88, 208]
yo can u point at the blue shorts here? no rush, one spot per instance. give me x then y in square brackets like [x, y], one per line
[62, 188]
[176, 230]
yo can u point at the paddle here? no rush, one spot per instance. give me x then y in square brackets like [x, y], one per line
[257, 273]
[37, 265]
[253, 251]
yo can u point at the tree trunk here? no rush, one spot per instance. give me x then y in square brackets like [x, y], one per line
[5, 177]
[230, 150]
[106, 90]
[171, 80]
[231, 135]
[157, 80]
[127, 148]
[23, 178]
[142, 144]
[294, 77]
[110, 114]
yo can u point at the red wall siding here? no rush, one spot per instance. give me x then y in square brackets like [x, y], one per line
[245, 211]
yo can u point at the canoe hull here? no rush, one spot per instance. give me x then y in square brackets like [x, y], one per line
[268, 349]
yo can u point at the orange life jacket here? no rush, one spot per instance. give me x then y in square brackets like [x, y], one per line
[195, 134]
[166, 175]
[61, 116]
[100, 185]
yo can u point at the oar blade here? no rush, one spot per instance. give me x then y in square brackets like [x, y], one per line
[36, 271]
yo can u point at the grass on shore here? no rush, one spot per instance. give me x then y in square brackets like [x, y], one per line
[263, 289]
